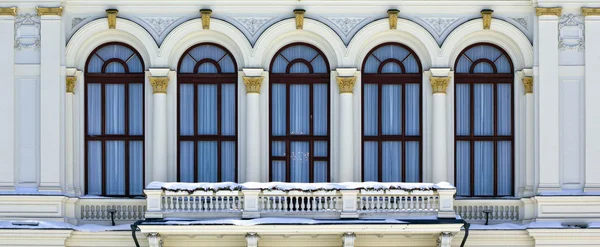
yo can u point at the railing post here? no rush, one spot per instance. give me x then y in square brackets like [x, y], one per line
[349, 204]
[251, 204]
[153, 204]
[446, 203]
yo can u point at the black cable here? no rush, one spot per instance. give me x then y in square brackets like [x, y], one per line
[466, 225]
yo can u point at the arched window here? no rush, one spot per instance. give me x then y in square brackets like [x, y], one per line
[114, 128]
[391, 112]
[484, 125]
[299, 106]
[207, 113]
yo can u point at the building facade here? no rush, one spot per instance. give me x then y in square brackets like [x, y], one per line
[296, 123]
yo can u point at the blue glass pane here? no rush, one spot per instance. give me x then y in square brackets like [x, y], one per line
[484, 168]
[483, 67]
[94, 108]
[228, 109]
[371, 110]
[320, 109]
[228, 161]
[463, 168]
[413, 166]
[370, 161]
[278, 149]
[207, 109]
[207, 68]
[463, 109]
[484, 109]
[299, 68]
[299, 109]
[505, 168]
[299, 162]
[278, 110]
[136, 109]
[413, 109]
[94, 168]
[136, 168]
[115, 167]
[391, 161]
[463, 65]
[115, 109]
[299, 52]
[115, 67]
[391, 68]
[186, 109]
[278, 170]
[391, 109]
[504, 111]
[320, 172]
[207, 161]
[320, 149]
[186, 161]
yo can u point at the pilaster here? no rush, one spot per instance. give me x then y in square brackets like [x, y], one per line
[548, 94]
[592, 86]
[346, 79]
[253, 80]
[440, 79]
[70, 174]
[529, 133]
[348, 239]
[52, 86]
[154, 240]
[7, 99]
[159, 80]
[445, 239]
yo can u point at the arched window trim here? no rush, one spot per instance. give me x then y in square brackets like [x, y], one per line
[495, 78]
[113, 78]
[196, 79]
[382, 78]
[300, 78]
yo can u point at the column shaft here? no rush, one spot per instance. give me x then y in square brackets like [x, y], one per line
[51, 90]
[159, 130]
[7, 103]
[346, 160]
[253, 137]
[439, 131]
[69, 150]
[529, 146]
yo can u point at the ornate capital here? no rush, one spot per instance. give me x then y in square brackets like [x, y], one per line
[299, 14]
[71, 81]
[346, 83]
[112, 18]
[205, 13]
[590, 11]
[8, 11]
[548, 11]
[486, 14]
[49, 11]
[154, 240]
[444, 239]
[393, 18]
[252, 239]
[528, 84]
[439, 84]
[348, 239]
[253, 83]
[159, 83]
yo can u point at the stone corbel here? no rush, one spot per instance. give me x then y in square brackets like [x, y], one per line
[8, 11]
[348, 239]
[445, 239]
[548, 11]
[49, 11]
[112, 18]
[205, 14]
[486, 14]
[159, 80]
[299, 15]
[252, 239]
[154, 239]
[393, 18]
[346, 79]
[527, 80]
[71, 79]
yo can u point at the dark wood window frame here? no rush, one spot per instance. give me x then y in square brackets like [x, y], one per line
[196, 79]
[105, 79]
[300, 78]
[495, 78]
[381, 79]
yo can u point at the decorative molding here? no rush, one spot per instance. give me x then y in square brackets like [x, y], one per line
[444, 239]
[393, 18]
[571, 33]
[590, 11]
[112, 18]
[486, 14]
[159, 24]
[159, 83]
[252, 239]
[71, 81]
[346, 24]
[49, 11]
[154, 239]
[348, 239]
[8, 11]
[299, 15]
[253, 83]
[346, 83]
[252, 24]
[205, 14]
[548, 11]
[27, 32]
[440, 24]
[528, 84]
[439, 84]
[521, 21]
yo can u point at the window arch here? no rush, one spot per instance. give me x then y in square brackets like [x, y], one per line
[484, 136]
[299, 119]
[207, 114]
[391, 112]
[114, 115]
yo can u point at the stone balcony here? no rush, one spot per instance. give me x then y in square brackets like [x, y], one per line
[298, 200]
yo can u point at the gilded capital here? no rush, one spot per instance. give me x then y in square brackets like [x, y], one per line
[112, 18]
[49, 11]
[548, 11]
[8, 11]
[205, 14]
[253, 83]
[159, 83]
[346, 83]
[590, 11]
[71, 81]
[486, 14]
[439, 84]
[299, 15]
[393, 18]
[528, 84]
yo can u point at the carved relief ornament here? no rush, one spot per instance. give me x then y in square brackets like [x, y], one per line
[299, 15]
[112, 18]
[49, 11]
[346, 83]
[528, 84]
[548, 11]
[159, 83]
[8, 11]
[590, 11]
[253, 83]
[486, 14]
[71, 81]
[393, 18]
[439, 84]
[205, 14]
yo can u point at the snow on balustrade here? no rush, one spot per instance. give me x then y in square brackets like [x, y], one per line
[99, 208]
[311, 200]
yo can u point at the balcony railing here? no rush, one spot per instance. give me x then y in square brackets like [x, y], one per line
[97, 210]
[317, 200]
[496, 210]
